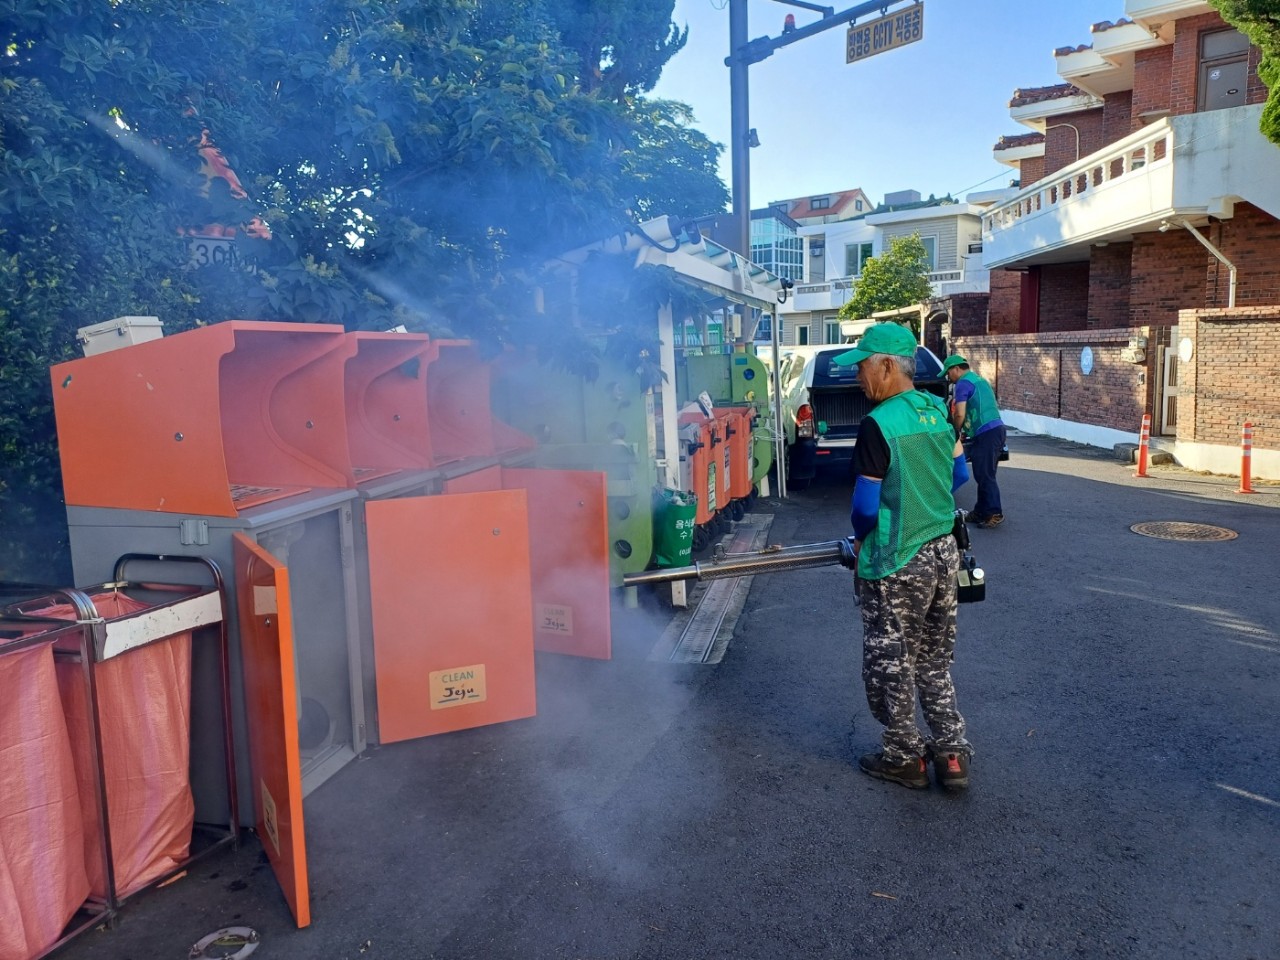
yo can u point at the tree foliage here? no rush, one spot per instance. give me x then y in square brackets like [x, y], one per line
[622, 46]
[1259, 20]
[417, 162]
[671, 167]
[899, 277]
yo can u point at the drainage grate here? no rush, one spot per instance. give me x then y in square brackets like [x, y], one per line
[702, 635]
[1179, 530]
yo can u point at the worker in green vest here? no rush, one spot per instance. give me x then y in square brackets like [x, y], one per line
[908, 465]
[975, 414]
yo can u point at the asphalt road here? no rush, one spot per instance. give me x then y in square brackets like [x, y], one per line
[1122, 693]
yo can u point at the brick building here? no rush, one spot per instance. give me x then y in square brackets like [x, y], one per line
[1146, 200]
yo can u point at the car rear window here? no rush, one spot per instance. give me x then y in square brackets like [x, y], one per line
[928, 367]
[828, 373]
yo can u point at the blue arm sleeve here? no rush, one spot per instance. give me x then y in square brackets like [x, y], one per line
[864, 510]
[959, 473]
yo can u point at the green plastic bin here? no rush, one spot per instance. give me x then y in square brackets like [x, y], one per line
[674, 520]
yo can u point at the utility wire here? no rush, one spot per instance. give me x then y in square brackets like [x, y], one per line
[998, 176]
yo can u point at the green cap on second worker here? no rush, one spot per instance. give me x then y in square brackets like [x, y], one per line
[886, 337]
[955, 360]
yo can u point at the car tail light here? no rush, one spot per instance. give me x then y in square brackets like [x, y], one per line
[804, 421]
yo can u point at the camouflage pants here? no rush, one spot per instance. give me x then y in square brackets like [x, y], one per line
[908, 643]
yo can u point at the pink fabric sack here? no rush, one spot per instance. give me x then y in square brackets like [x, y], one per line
[43, 880]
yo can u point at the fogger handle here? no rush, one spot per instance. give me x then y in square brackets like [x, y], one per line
[768, 560]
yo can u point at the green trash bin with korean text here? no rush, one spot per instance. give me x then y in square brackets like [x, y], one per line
[674, 518]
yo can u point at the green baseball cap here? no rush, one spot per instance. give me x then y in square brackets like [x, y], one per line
[887, 337]
[955, 360]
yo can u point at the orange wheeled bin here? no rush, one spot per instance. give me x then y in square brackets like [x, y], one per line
[741, 441]
[698, 439]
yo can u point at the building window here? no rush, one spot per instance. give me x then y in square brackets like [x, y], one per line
[802, 335]
[819, 203]
[1224, 70]
[857, 204]
[778, 248]
[856, 256]
[931, 250]
[831, 331]
[763, 331]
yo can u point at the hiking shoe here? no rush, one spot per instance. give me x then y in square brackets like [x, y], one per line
[951, 770]
[911, 774]
[992, 521]
[972, 517]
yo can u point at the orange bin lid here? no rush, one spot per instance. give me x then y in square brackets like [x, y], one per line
[458, 403]
[388, 427]
[208, 421]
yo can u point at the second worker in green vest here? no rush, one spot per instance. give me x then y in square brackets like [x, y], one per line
[976, 415]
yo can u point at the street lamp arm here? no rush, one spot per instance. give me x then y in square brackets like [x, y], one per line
[825, 11]
[743, 53]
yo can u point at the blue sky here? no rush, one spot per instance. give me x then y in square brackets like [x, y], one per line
[922, 117]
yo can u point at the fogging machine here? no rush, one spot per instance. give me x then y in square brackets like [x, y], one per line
[971, 581]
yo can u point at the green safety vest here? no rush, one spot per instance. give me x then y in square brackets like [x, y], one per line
[916, 504]
[980, 409]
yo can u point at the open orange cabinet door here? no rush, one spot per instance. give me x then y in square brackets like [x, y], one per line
[452, 612]
[271, 697]
[569, 550]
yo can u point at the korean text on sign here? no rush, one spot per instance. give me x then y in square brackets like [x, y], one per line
[877, 36]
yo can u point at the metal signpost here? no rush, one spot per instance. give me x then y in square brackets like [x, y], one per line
[891, 30]
[903, 26]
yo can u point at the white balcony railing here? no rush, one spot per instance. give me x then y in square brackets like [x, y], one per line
[1196, 164]
[826, 287]
[833, 294]
[1135, 152]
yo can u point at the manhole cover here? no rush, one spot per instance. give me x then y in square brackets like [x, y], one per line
[1178, 530]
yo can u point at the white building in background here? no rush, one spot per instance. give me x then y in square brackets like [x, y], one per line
[836, 252]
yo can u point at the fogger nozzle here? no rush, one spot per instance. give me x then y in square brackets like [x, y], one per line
[771, 559]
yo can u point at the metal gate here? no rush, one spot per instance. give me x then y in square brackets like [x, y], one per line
[1168, 391]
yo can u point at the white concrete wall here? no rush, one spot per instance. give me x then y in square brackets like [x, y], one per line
[1224, 460]
[1222, 155]
[1206, 457]
[840, 235]
[1085, 433]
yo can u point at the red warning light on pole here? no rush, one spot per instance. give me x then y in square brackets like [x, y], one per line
[789, 23]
